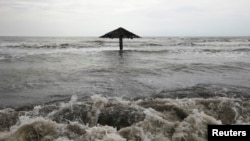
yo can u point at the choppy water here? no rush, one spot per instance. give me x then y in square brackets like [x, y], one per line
[156, 89]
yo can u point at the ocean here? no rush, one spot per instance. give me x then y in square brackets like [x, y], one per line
[156, 89]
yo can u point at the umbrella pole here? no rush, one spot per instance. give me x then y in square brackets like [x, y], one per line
[121, 44]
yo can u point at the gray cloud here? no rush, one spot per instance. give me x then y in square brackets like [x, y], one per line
[145, 17]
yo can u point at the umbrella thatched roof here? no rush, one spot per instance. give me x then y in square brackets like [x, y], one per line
[120, 33]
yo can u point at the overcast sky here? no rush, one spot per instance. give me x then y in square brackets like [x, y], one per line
[143, 17]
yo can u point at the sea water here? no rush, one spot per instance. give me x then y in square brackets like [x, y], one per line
[157, 88]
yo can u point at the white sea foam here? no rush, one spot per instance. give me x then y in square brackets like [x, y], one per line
[160, 119]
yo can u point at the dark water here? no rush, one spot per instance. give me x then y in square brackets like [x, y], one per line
[156, 89]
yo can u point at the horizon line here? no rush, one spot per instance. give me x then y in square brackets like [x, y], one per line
[140, 36]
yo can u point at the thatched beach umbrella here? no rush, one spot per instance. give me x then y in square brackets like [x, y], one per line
[120, 33]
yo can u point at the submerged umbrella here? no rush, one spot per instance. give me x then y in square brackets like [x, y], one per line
[120, 33]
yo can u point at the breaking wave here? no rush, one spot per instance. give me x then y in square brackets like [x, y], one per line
[116, 119]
